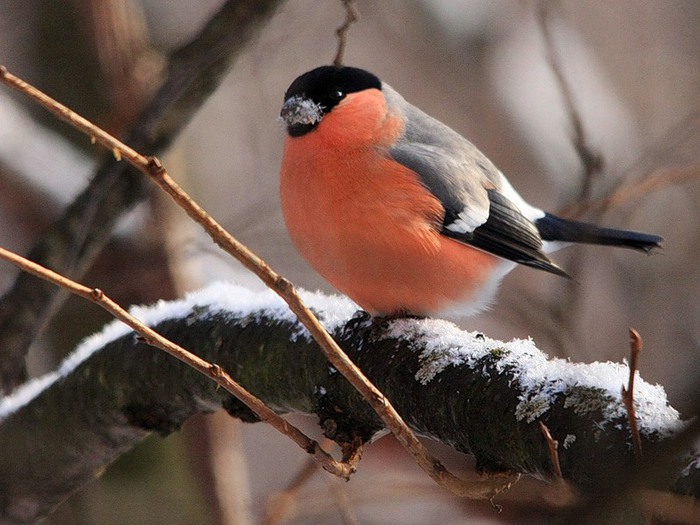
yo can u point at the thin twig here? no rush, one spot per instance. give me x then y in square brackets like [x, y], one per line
[553, 445]
[339, 490]
[278, 505]
[352, 452]
[563, 494]
[636, 345]
[591, 160]
[151, 166]
[352, 15]
[211, 370]
[653, 181]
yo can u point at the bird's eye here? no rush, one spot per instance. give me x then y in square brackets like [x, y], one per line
[336, 94]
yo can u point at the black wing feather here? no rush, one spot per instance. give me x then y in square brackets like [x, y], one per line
[509, 234]
[553, 228]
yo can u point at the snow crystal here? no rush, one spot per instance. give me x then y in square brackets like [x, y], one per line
[217, 297]
[300, 110]
[24, 394]
[539, 378]
[693, 464]
[569, 440]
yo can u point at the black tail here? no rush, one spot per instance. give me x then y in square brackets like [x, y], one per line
[553, 228]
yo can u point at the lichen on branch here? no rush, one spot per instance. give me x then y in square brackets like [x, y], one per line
[480, 396]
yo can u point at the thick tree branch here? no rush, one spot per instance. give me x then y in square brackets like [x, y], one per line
[480, 396]
[72, 243]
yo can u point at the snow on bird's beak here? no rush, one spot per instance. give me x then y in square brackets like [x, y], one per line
[300, 111]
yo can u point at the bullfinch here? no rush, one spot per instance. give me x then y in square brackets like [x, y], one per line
[400, 212]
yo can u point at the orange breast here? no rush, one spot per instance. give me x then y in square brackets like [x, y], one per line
[367, 224]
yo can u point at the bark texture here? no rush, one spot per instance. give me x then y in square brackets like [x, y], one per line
[81, 422]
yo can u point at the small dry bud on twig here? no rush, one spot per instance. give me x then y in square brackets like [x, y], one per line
[636, 345]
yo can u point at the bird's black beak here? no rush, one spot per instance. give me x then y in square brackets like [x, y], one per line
[300, 115]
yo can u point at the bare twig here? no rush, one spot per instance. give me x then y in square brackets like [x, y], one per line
[352, 452]
[151, 166]
[211, 370]
[553, 445]
[562, 493]
[591, 160]
[636, 345]
[352, 15]
[653, 181]
[339, 490]
[278, 505]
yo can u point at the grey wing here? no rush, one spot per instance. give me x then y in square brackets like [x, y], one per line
[472, 190]
[465, 200]
[450, 166]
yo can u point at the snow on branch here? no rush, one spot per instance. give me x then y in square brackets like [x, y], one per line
[481, 396]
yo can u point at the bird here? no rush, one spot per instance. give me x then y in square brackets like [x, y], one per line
[401, 213]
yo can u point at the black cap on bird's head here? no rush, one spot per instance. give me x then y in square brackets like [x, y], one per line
[316, 93]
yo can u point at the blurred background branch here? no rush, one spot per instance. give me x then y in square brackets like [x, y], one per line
[480, 404]
[71, 244]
